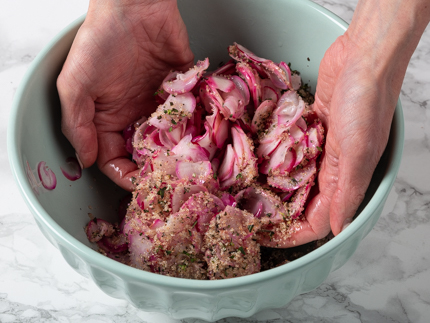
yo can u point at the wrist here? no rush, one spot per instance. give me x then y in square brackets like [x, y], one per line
[385, 33]
[131, 8]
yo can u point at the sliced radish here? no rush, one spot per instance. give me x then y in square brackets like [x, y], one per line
[46, 176]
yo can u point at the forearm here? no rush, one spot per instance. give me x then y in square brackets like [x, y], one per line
[387, 32]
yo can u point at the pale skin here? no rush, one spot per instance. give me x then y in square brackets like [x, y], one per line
[126, 47]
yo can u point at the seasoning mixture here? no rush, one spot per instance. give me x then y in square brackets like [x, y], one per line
[226, 164]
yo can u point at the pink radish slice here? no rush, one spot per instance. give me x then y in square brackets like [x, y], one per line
[189, 150]
[166, 164]
[289, 108]
[182, 193]
[176, 134]
[299, 199]
[276, 74]
[240, 53]
[266, 149]
[233, 179]
[115, 243]
[289, 162]
[226, 69]
[252, 80]
[177, 83]
[314, 140]
[295, 179]
[287, 196]
[210, 97]
[220, 82]
[300, 153]
[215, 162]
[220, 128]
[269, 93]
[242, 88]
[296, 81]
[165, 140]
[259, 210]
[226, 168]
[301, 123]
[157, 224]
[228, 199]
[71, 170]
[262, 116]
[142, 131]
[233, 107]
[261, 203]
[165, 117]
[46, 176]
[242, 146]
[205, 141]
[140, 200]
[296, 134]
[190, 170]
[96, 229]
[284, 66]
[282, 155]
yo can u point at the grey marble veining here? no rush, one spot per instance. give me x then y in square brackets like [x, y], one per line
[387, 279]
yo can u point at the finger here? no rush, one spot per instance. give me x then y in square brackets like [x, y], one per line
[77, 114]
[303, 233]
[316, 222]
[354, 178]
[114, 161]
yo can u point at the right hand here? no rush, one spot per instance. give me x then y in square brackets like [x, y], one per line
[119, 57]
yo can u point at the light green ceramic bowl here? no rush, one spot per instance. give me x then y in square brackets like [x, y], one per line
[294, 31]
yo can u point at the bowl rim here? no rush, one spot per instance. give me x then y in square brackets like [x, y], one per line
[63, 238]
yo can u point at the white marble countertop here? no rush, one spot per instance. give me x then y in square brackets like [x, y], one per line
[387, 279]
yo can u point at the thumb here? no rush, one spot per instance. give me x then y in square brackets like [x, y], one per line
[77, 115]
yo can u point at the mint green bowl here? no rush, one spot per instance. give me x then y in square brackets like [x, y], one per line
[294, 31]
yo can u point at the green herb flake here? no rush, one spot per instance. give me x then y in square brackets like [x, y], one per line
[239, 176]
[170, 129]
[250, 227]
[319, 148]
[241, 250]
[161, 192]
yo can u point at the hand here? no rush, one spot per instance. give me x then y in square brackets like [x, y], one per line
[359, 82]
[119, 57]
[356, 103]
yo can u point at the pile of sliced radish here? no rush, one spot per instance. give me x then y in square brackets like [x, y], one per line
[226, 163]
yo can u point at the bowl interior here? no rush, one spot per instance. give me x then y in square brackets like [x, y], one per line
[292, 31]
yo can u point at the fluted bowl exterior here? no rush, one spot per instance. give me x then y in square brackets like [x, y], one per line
[294, 31]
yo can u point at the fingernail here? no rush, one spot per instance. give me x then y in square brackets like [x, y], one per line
[79, 160]
[346, 223]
